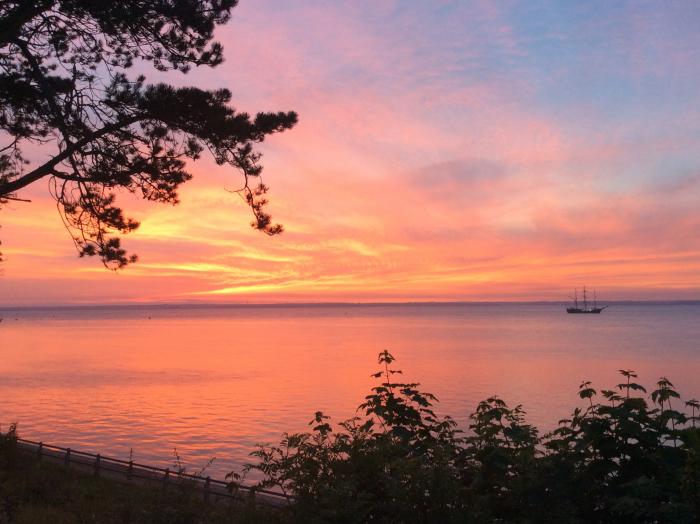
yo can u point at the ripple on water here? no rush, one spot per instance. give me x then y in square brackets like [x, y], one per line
[213, 383]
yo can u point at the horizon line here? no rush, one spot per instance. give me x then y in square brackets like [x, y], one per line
[223, 305]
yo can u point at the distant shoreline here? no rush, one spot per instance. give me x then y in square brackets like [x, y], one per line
[290, 305]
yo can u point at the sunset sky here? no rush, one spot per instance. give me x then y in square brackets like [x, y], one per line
[445, 151]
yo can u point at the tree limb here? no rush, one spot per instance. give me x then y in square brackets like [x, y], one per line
[47, 169]
[11, 23]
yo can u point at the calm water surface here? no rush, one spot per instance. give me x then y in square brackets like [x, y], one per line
[213, 382]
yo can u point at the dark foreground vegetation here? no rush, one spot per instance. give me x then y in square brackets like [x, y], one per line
[627, 459]
[633, 457]
[43, 492]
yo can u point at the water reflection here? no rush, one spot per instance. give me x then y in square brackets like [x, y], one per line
[213, 382]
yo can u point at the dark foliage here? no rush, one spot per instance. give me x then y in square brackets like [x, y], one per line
[64, 85]
[628, 459]
[624, 460]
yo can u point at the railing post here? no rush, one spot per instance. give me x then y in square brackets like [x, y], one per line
[207, 484]
[97, 465]
[40, 449]
[130, 472]
[66, 459]
[165, 477]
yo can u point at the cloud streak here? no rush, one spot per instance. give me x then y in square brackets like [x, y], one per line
[446, 151]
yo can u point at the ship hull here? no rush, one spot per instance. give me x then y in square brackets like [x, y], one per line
[578, 311]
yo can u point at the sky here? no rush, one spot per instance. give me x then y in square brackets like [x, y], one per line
[446, 150]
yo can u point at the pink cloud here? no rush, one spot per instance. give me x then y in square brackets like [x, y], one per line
[403, 180]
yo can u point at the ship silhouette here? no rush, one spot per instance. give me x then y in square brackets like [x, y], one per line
[585, 309]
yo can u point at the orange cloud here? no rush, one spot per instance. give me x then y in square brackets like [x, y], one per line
[416, 173]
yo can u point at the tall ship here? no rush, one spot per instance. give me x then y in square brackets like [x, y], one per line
[585, 309]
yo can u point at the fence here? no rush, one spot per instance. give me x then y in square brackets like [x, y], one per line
[132, 471]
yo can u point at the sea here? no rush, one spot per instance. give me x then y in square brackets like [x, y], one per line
[203, 382]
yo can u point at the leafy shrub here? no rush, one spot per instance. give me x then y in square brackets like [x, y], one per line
[623, 460]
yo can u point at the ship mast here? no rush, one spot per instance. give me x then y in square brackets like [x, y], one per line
[585, 299]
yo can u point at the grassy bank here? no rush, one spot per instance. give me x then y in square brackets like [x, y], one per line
[38, 492]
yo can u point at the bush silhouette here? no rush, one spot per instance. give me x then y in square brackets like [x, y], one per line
[628, 458]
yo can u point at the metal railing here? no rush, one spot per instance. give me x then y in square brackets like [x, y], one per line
[130, 470]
